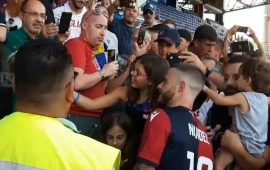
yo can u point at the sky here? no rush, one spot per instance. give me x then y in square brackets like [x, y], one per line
[253, 18]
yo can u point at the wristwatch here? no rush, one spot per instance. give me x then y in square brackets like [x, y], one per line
[208, 71]
[102, 74]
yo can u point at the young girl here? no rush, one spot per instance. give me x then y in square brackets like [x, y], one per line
[117, 131]
[250, 114]
[140, 94]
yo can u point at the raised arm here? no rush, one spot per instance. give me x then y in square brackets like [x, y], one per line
[234, 100]
[119, 94]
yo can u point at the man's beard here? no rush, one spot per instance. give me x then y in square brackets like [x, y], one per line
[230, 90]
[78, 5]
[165, 97]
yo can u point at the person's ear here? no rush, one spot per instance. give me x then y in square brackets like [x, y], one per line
[84, 25]
[249, 80]
[69, 92]
[181, 86]
[196, 43]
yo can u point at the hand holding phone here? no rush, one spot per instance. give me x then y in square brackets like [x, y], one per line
[112, 55]
[141, 35]
[243, 29]
[173, 58]
[64, 22]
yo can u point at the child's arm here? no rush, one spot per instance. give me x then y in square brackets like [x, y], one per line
[234, 100]
[268, 100]
[102, 102]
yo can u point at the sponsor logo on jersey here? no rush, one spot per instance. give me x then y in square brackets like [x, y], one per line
[153, 115]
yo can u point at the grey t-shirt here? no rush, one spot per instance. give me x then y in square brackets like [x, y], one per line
[253, 125]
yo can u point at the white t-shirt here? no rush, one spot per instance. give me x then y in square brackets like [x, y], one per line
[12, 23]
[75, 24]
[111, 40]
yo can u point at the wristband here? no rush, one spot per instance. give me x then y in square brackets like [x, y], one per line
[77, 97]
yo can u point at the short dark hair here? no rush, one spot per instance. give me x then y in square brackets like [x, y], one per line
[195, 76]
[233, 59]
[41, 68]
[205, 32]
[169, 21]
[185, 34]
[259, 73]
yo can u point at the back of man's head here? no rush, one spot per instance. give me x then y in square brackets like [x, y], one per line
[205, 32]
[192, 76]
[42, 69]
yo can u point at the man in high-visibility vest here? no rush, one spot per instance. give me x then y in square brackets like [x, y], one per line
[37, 135]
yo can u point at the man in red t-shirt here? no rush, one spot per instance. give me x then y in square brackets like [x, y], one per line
[91, 80]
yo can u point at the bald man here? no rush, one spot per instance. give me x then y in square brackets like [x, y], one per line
[91, 79]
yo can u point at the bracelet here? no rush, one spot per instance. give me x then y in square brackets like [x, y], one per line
[77, 97]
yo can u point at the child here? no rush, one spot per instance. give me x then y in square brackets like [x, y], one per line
[140, 94]
[117, 131]
[250, 114]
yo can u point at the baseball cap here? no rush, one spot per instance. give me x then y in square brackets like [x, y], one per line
[170, 35]
[185, 34]
[148, 6]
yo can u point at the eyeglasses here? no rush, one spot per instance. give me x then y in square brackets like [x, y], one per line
[136, 72]
[96, 11]
[75, 74]
[35, 14]
[148, 12]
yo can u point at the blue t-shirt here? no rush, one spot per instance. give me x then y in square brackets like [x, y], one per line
[138, 113]
[124, 34]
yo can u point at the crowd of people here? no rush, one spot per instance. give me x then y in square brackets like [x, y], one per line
[169, 100]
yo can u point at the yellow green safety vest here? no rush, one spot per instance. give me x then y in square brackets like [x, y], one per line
[30, 141]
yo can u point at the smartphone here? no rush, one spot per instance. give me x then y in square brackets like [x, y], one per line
[65, 22]
[243, 29]
[242, 46]
[112, 55]
[173, 58]
[141, 35]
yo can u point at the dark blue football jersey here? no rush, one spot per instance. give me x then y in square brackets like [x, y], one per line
[174, 139]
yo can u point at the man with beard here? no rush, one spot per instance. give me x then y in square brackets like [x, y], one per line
[77, 8]
[33, 16]
[124, 29]
[182, 142]
[219, 115]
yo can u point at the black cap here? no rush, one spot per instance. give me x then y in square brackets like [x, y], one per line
[171, 36]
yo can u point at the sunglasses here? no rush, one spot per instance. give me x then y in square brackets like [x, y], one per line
[148, 12]
[96, 11]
